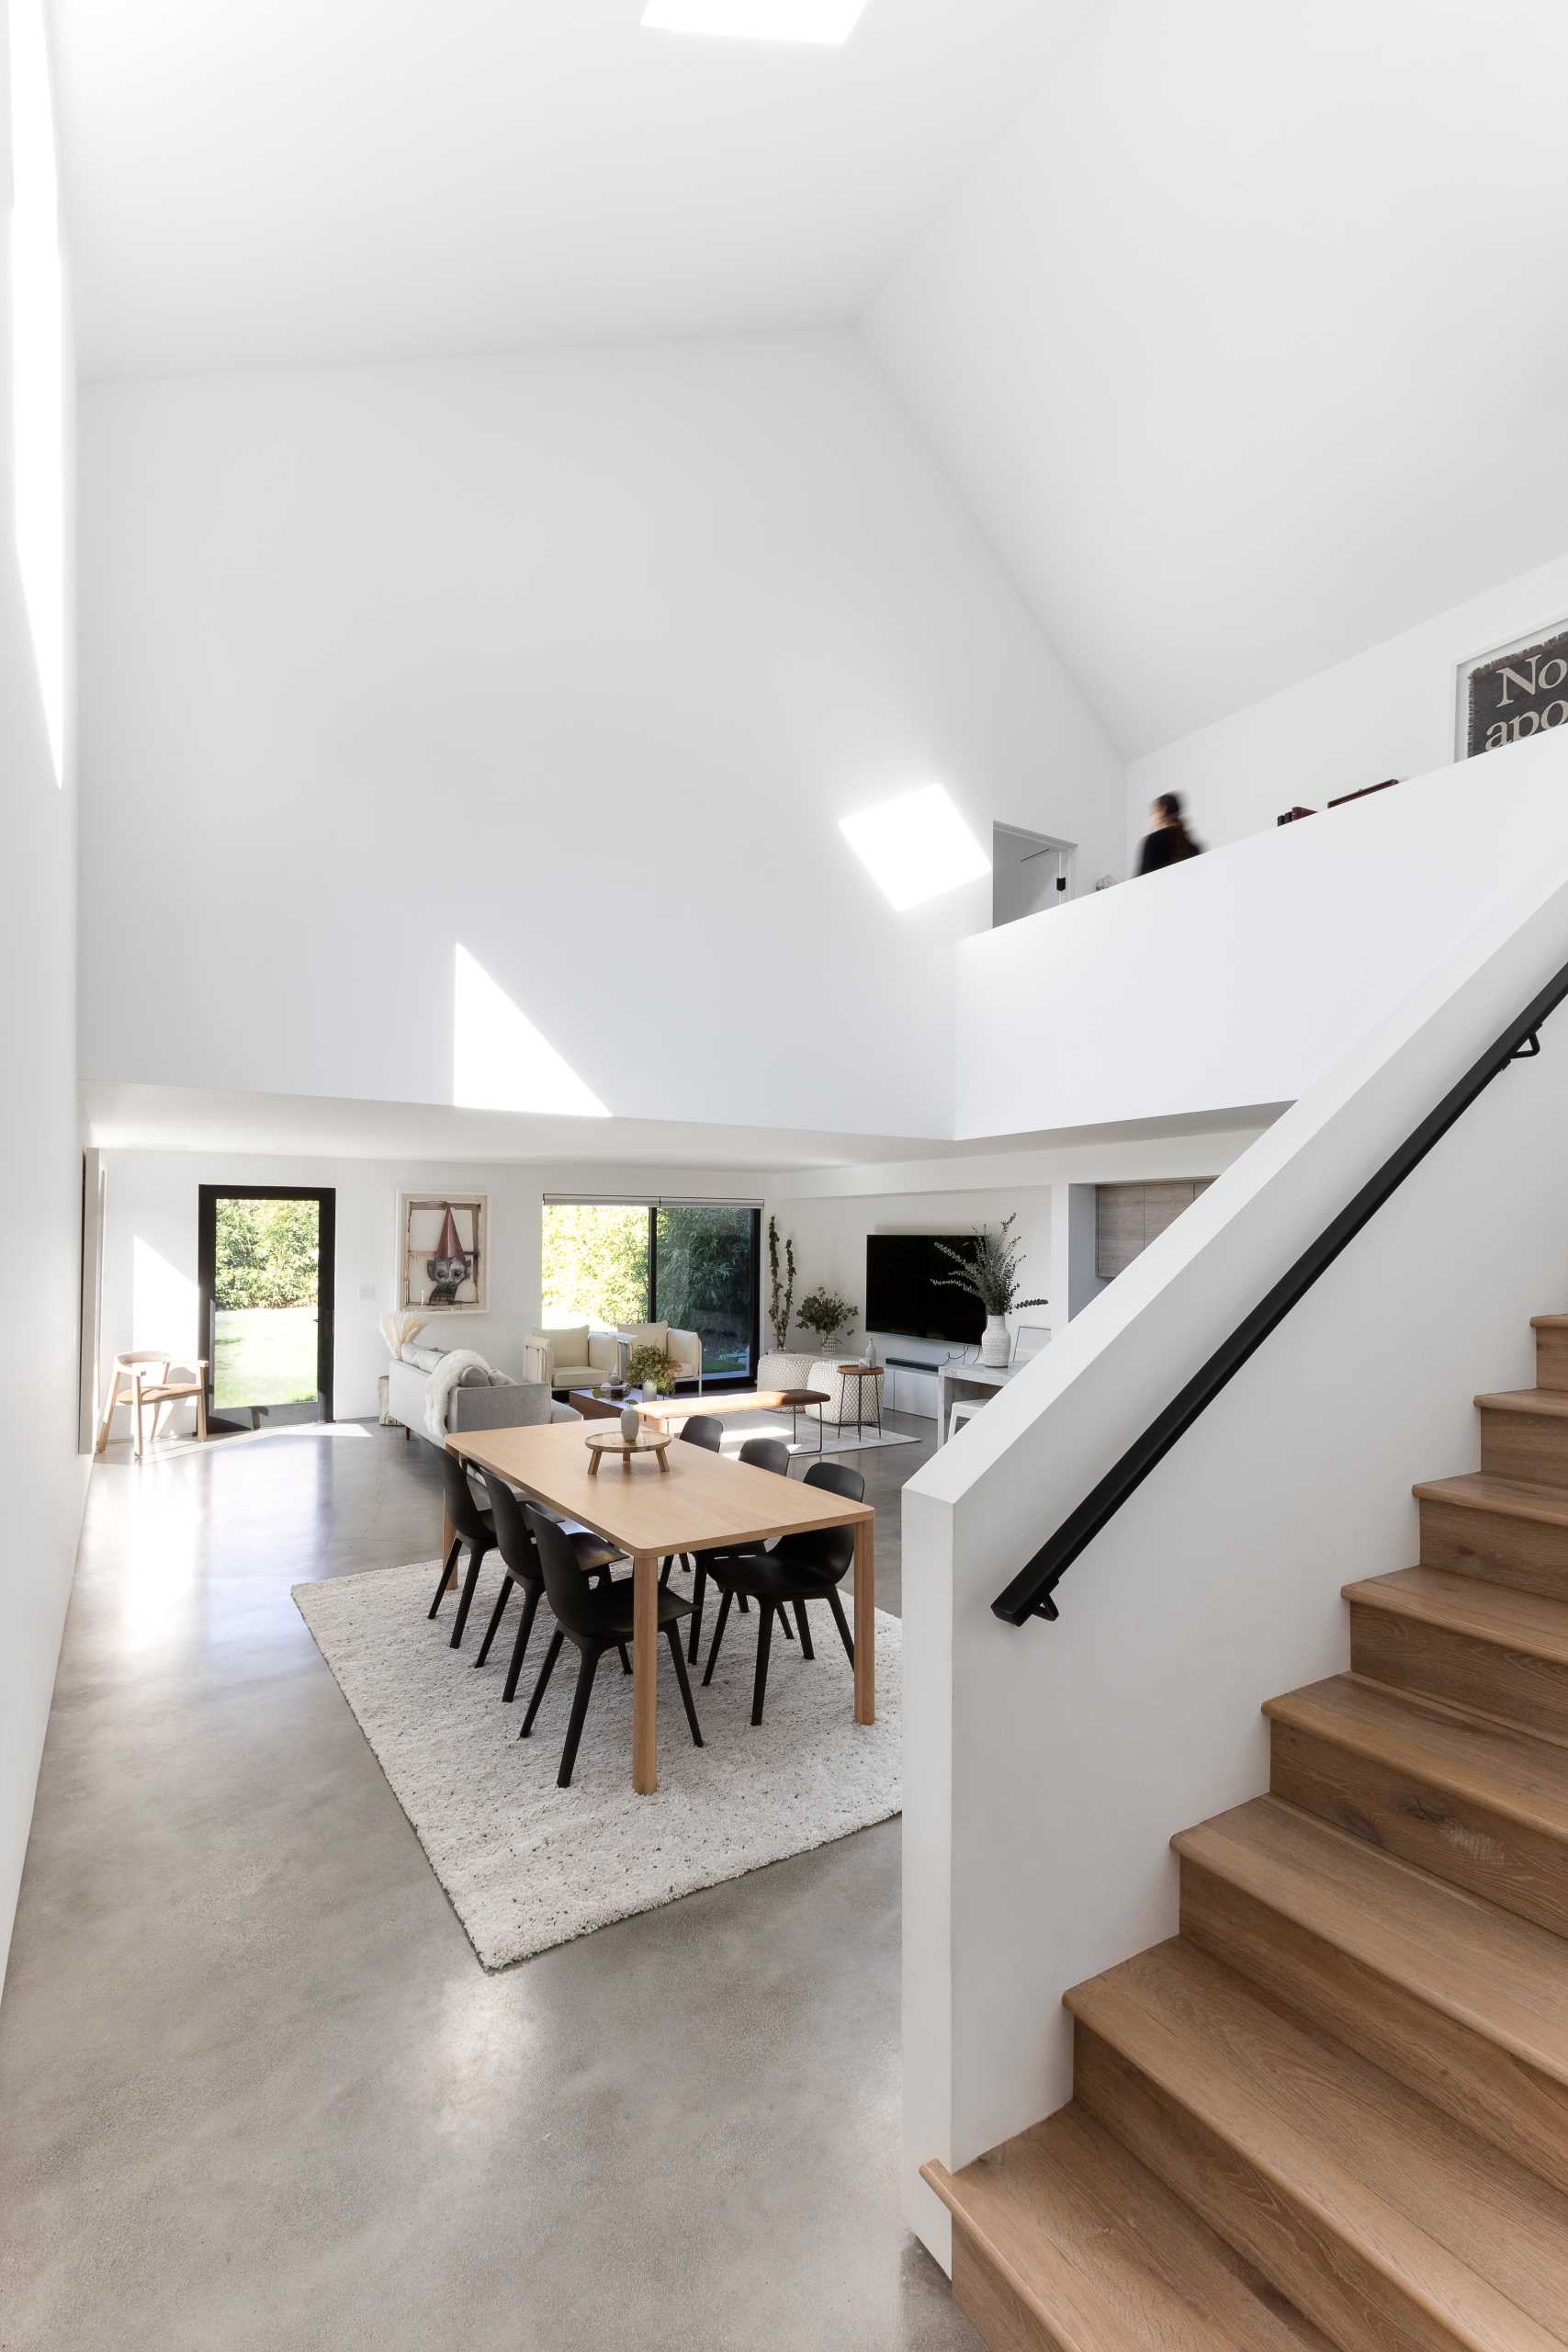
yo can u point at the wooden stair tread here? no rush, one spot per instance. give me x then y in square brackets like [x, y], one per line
[1499, 1974]
[1515, 1498]
[1104, 2254]
[1468, 2234]
[1471, 1756]
[1548, 1322]
[1551, 1404]
[1461, 1604]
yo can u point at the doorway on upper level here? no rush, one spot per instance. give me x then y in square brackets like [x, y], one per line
[1030, 872]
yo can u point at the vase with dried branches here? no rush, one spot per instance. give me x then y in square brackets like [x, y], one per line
[988, 1268]
[398, 1330]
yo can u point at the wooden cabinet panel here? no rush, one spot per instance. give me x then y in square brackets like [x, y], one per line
[1118, 1227]
[1128, 1216]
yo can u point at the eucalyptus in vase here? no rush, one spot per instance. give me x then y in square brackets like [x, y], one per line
[989, 1269]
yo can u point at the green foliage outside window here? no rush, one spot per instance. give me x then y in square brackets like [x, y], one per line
[595, 1268]
[706, 1279]
[268, 1253]
[594, 1264]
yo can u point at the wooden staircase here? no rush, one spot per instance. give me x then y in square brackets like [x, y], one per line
[1333, 2111]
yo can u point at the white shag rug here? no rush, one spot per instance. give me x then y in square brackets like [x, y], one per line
[527, 1864]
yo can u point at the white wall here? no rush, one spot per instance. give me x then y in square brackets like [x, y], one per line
[1389, 711]
[42, 1478]
[1240, 977]
[1052, 1763]
[828, 1212]
[572, 662]
[829, 1235]
[1210, 341]
[150, 1258]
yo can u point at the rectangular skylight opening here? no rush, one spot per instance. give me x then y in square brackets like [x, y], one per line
[827, 22]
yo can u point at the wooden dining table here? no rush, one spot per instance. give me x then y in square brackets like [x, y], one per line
[703, 1499]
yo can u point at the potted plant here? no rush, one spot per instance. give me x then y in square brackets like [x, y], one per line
[652, 1370]
[781, 1286]
[988, 1269]
[824, 1314]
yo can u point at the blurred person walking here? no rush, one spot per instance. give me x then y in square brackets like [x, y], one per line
[1168, 840]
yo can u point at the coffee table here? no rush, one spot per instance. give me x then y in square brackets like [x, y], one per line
[598, 1408]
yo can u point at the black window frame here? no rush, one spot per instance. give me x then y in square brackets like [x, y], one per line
[717, 1382]
[325, 1196]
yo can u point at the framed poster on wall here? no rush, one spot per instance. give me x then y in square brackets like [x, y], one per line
[443, 1252]
[1512, 692]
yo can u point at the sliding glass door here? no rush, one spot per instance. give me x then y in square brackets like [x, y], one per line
[692, 1264]
[705, 1280]
[265, 1266]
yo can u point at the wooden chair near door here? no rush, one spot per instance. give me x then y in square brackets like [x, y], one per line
[130, 1385]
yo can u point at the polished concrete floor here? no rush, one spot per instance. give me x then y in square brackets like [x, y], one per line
[255, 2090]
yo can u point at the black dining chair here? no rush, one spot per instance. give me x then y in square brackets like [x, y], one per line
[470, 1525]
[763, 1453]
[520, 1566]
[596, 1618]
[796, 1569]
[707, 1430]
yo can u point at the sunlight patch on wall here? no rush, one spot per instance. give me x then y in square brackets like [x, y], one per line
[500, 1061]
[163, 1303]
[38, 348]
[915, 847]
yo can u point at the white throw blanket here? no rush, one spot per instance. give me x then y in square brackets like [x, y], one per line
[438, 1387]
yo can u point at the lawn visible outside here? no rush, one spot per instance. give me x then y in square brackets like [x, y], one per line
[264, 1355]
[268, 1255]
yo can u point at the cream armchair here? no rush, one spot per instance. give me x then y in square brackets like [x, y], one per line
[685, 1346]
[577, 1358]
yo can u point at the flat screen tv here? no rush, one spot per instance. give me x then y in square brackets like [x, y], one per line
[903, 1296]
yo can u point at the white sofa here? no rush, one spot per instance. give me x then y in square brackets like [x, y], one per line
[581, 1357]
[786, 1371]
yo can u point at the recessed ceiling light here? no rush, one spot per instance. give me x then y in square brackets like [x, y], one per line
[827, 21]
[915, 847]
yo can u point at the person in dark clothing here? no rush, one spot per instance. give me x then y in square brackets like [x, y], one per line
[1168, 840]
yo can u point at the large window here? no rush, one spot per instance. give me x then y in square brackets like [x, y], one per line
[689, 1264]
[598, 1258]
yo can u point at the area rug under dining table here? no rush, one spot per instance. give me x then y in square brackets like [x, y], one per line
[526, 1864]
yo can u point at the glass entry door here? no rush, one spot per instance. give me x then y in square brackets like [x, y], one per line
[264, 1262]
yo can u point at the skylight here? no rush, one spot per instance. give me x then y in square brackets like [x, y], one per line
[829, 22]
[915, 847]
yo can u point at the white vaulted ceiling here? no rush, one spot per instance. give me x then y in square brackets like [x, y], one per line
[1249, 346]
[1240, 328]
[281, 181]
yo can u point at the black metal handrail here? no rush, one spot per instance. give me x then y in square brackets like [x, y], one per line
[1030, 1592]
